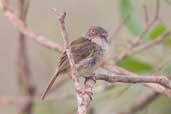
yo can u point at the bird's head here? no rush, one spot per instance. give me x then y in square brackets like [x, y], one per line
[96, 32]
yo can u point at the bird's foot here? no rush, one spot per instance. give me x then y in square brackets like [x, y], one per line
[89, 78]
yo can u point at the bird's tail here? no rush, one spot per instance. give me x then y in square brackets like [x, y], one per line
[50, 84]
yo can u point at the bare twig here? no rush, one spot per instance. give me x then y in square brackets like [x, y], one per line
[83, 96]
[120, 71]
[23, 28]
[21, 100]
[4, 4]
[61, 18]
[11, 101]
[24, 72]
[86, 96]
[157, 9]
[155, 19]
[133, 50]
[164, 81]
[146, 12]
[136, 42]
[141, 102]
[118, 28]
[149, 44]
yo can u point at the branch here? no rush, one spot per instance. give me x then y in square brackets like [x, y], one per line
[141, 102]
[74, 74]
[155, 19]
[20, 100]
[83, 94]
[149, 44]
[23, 28]
[146, 12]
[157, 9]
[133, 50]
[24, 72]
[118, 29]
[135, 43]
[162, 80]
[154, 86]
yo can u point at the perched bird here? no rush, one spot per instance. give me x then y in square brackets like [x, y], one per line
[88, 52]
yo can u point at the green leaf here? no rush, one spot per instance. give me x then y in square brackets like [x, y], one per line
[166, 70]
[167, 41]
[157, 31]
[127, 10]
[135, 65]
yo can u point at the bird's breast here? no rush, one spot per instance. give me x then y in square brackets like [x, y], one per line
[87, 66]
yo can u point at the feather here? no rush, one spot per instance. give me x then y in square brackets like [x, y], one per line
[81, 49]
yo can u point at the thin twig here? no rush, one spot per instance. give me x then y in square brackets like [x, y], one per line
[61, 18]
[155, 19]
[83, 97]
[24, 72]
[23, 28]
[164, 81]
[142, 47]
[146, 12]
[129, 49]
[21, 100]
[118, 28]
[157, 9]
[4, 5]
[141, 102]
[149, 44]
[155, 87]
[144, 100]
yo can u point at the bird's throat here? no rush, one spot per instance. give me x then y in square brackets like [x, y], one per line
[102, 43]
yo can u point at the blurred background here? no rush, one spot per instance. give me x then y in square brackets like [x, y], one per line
[81, 15]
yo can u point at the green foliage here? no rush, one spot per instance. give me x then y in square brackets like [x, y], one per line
[157, 31]
[167, 41]
[135, 65]
[166, 70]
[127, 10]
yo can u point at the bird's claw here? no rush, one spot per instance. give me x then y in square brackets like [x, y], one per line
[89, 78]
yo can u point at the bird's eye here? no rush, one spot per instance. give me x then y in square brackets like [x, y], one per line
[93, 32]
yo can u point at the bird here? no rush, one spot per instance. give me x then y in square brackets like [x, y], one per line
[88, 53]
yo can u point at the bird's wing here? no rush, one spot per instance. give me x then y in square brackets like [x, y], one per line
[81, 48]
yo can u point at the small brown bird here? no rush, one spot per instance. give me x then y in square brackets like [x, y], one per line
[88, 52]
